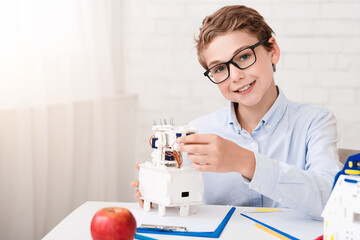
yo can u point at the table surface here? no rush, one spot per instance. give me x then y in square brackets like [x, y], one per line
[77, 224]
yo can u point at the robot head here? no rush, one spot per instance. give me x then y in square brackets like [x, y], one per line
[163, 144]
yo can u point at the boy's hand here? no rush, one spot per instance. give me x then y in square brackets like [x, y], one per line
[135, 184]
[212, 153]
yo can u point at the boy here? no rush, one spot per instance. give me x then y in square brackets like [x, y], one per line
[262, 150]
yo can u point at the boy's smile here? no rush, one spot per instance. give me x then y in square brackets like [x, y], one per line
[246, 89]
[253, 87]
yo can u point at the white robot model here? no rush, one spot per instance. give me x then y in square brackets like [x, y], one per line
[165, 181]
[342, 210]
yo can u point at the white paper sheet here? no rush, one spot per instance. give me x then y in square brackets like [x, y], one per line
[291, 222]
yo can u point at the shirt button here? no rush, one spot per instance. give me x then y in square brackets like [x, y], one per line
[268, 126]
[257, 188]
[253, 144]
[280, 200]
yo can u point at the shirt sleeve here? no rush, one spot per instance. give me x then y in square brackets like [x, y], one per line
[308, 189]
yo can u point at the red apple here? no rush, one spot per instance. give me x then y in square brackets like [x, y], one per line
[113, 223]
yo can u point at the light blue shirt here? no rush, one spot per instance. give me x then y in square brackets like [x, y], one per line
[296, 158]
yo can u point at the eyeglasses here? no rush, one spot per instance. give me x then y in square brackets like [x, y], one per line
[242, 60]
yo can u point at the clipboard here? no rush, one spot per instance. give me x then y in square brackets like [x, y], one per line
[214, 234]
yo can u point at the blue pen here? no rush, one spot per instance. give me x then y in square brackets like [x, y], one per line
[142, 237]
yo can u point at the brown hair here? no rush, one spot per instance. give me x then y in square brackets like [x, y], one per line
[228, 19]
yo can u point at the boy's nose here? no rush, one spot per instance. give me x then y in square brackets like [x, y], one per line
[236, 74]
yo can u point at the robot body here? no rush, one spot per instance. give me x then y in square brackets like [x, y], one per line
[164, 180]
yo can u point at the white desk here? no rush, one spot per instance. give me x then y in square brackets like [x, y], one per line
[76, 225]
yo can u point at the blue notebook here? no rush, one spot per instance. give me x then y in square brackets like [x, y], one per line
[214, 234]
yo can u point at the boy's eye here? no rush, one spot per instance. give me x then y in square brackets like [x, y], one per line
[219, 69]
[244, 57]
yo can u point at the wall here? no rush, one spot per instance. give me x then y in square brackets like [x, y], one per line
[319, 63]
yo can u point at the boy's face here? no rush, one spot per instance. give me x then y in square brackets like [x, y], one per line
[250, 87]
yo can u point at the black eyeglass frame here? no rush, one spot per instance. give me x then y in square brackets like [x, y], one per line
[252, 47]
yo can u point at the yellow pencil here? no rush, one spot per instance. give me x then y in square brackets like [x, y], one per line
[265, 209]
[268, 230]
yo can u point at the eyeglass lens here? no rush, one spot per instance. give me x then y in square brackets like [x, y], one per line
[242, 59]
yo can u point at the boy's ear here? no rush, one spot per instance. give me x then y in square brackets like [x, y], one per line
[275, 51]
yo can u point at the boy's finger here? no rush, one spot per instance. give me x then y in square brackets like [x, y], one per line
[201, 167]
[199, 159]
[194, 148]
[135, 183]
[195, 139]
[137, 194]
[137, 165]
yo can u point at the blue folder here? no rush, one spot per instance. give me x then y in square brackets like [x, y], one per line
[214, 234]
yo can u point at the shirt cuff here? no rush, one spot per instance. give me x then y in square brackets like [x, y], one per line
[266, 174]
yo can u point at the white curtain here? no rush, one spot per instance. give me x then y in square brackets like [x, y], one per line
[60, 116]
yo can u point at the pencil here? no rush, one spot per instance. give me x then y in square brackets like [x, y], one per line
[273, 231]
[268, 230]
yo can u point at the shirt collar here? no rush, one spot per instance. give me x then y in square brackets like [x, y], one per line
[232, 116]
[275, 113]
[270, 119]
